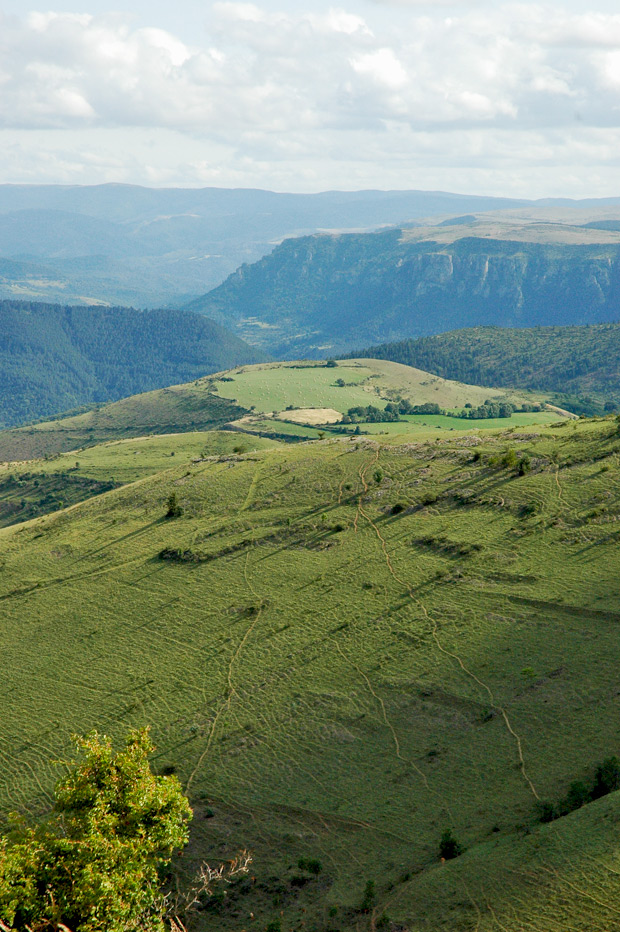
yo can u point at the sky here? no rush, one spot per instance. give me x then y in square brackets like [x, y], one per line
[520, 99]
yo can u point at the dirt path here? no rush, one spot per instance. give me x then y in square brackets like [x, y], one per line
[434, 629]
[231, 691]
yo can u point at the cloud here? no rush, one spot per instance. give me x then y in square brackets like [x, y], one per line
[270, 87]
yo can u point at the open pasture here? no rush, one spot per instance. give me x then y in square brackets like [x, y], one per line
[349, 647]
[274, 386]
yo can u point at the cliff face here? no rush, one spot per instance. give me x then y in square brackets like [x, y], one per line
[324, 294]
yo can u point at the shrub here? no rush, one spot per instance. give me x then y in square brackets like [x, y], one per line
[449, 847]
[95, 863]
[312, 865]
[578, 795]
[510, 459]
[524, 465]
[331, 364]
[174, 509]
[545, 812]
[370, 898]
[606, 778]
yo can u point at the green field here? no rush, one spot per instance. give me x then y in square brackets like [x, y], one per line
[432, 424]
[215, 401]
[274, 386]
[360, 645]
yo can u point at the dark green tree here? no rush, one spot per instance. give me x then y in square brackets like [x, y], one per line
[449, 847]
[174, 509]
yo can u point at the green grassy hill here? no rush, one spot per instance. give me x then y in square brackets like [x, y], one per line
[38, 487]
[175, 409]
[571, 361]
[346, 648]
[243, 395]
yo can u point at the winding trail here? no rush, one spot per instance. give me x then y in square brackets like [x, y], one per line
[434, 629]
[231, 691]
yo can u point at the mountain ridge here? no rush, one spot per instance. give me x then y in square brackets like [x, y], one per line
[328, 294]
[57, 357]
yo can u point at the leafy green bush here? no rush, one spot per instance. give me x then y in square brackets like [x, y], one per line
[94, 864]
[606, 777]
[369, 898]
[174, 509]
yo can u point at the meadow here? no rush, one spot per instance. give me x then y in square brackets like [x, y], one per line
[344, 648]
[275, 386]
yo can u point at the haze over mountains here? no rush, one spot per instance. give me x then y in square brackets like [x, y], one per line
[123, 244]
[328, 294]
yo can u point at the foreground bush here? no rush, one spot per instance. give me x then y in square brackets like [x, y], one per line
[94, 865]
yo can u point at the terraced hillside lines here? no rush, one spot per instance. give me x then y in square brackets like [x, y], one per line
[231, 691]
[435, 633]
[326, 668]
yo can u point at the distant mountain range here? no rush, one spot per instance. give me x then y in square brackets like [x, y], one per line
[54, 358]
[123, 244]
[328, 294]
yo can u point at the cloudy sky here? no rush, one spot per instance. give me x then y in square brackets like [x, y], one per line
[473, 96]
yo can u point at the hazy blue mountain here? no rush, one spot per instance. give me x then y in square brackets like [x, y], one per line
[151, 247]
[321, 295]
[53, 357]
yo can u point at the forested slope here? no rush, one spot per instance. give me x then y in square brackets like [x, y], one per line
[575, 361]
[54, 358]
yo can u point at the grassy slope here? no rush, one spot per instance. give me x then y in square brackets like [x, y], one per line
[212, 402]
[187, 407]
[347, 694]
[273, 386]
[38, 487]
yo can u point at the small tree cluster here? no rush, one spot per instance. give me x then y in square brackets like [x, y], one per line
[449, 847]
[606, 780]
[369, 414]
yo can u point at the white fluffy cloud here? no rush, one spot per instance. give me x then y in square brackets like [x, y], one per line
[266, 93]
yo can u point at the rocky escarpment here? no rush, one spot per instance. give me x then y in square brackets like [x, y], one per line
[323, 294]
